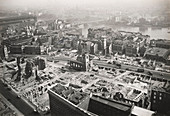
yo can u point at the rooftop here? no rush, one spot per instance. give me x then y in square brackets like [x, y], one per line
[116, 104]
[161, 52]
[69, 93]
[119, 42]
[161, 86]
[130, 43]
[137, 111]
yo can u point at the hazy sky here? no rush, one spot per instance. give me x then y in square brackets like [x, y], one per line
[73, 3]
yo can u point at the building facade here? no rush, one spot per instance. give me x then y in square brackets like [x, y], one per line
[160, 101]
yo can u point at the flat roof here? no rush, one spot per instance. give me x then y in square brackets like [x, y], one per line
[161, 52]
[116, 104]
[138, 111]
[70, 104]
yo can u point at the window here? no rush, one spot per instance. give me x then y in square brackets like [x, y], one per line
[154, 97]
[160, 94]
[154, 101]
[154, 93]
[160, 98]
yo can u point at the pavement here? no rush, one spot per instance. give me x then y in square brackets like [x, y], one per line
[155, 73]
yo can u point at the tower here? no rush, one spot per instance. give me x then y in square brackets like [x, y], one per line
[87, 62]
[6, 52]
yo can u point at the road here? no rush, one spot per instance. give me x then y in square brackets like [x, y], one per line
[155, 73]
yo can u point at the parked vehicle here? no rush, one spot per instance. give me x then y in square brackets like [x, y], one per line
[140, 70]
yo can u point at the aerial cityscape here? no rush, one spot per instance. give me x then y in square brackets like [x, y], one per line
[84, 58]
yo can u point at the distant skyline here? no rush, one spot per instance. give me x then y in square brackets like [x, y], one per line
[13, 4]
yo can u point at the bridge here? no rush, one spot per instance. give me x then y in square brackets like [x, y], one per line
[89, 22]
[18, 19]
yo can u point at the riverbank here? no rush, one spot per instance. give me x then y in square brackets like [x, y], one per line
[154, 33]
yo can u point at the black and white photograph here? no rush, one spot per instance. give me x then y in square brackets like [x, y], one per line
[84, 57]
